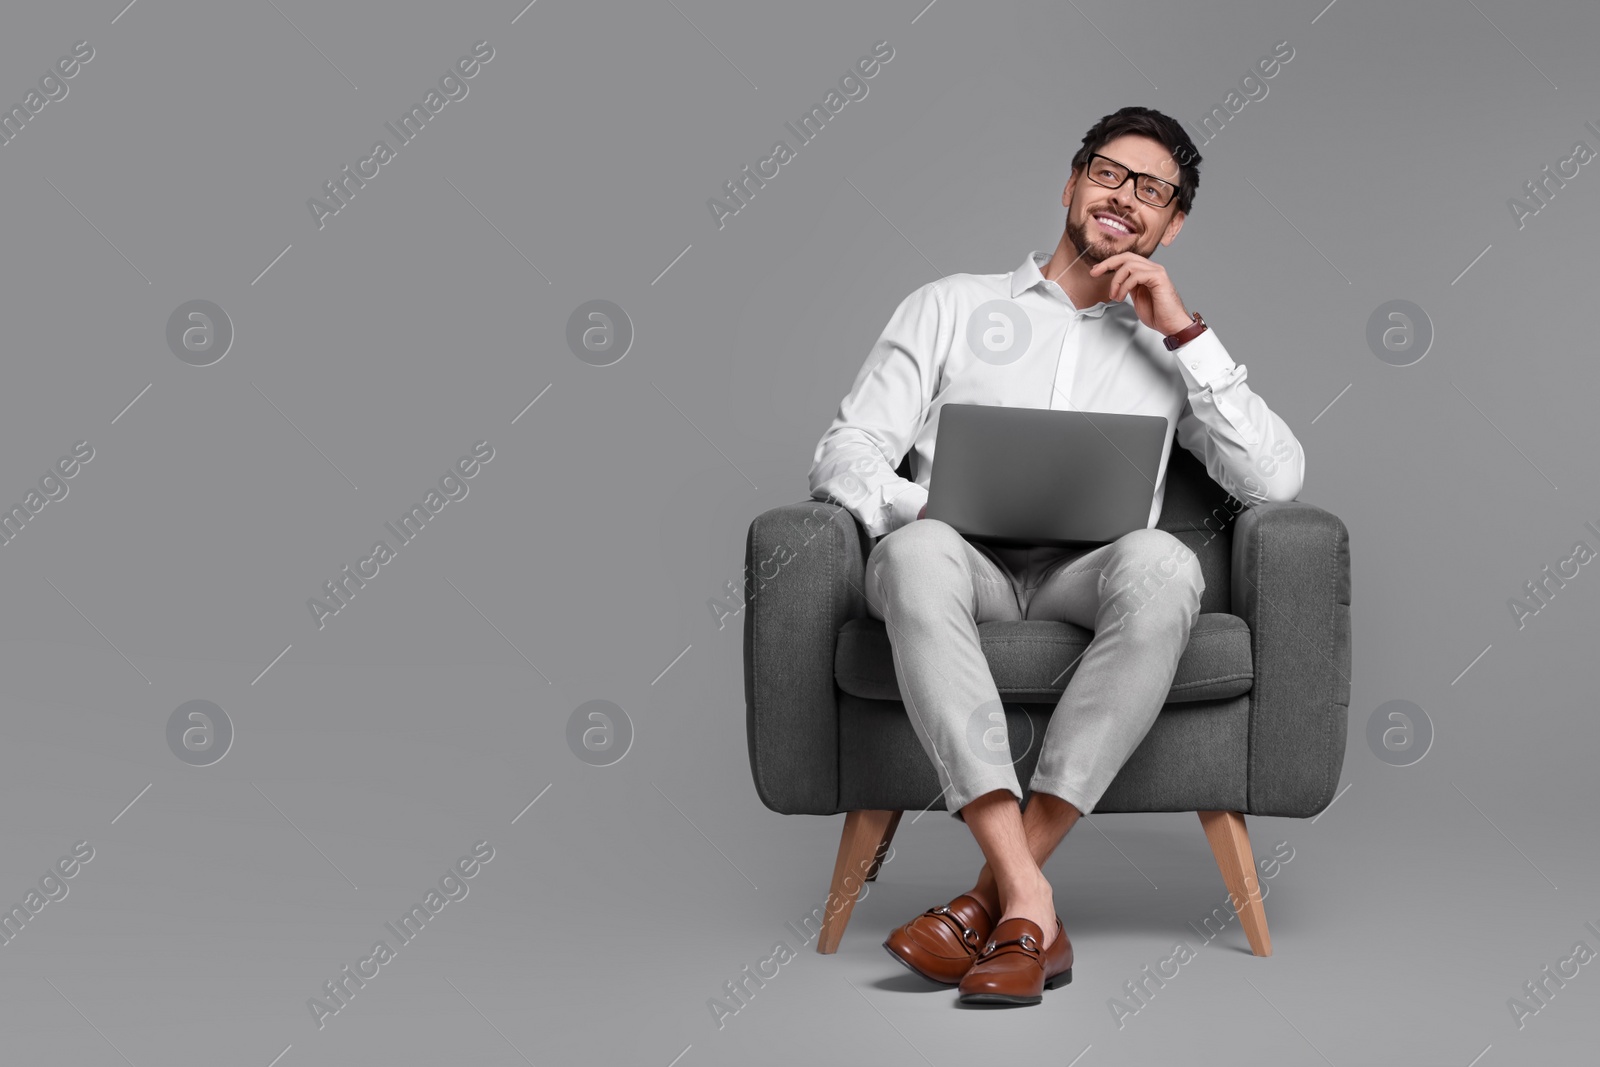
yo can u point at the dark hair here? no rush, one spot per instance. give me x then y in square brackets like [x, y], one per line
[1147, 122]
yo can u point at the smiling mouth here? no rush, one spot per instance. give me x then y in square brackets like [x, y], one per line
[1113, 224]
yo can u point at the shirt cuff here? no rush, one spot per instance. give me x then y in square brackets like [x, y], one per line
[905, 506]
[1205, 362]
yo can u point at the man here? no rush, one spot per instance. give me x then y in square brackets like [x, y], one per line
[1095, 326]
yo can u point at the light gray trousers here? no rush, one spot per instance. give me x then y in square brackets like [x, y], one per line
[1140, 595]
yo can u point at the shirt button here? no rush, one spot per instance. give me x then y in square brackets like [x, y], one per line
[1194, 366]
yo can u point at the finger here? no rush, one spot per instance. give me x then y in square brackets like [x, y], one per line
[1147, 274]
[1130, 267]
[1127, 277]
[1110, 263]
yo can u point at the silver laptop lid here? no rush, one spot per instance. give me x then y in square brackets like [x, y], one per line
[1038, 476]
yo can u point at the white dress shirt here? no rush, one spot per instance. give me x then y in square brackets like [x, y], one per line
[1101, 358]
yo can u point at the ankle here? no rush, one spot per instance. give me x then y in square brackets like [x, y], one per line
[1032, 900]
[1028, 891]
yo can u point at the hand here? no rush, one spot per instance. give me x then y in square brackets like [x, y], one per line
[922, 512]
[1154, 299]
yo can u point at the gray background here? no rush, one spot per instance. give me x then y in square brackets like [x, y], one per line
[429, 713]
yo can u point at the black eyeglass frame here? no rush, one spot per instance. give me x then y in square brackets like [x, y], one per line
[1088, 171]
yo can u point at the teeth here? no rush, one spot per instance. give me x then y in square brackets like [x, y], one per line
[1114, 223]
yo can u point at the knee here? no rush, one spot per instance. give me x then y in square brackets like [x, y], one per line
[1162, 554]
[1155, 562]
[919, 544]
[917, 564]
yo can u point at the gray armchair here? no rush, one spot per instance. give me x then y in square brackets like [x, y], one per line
[1254, 723]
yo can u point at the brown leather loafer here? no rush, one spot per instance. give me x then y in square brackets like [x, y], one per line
[941, 943]
[1013, 969]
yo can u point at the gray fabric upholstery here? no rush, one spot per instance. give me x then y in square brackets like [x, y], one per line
[827, 734]
[803, 578]
[1291, 584]
[1035, 659]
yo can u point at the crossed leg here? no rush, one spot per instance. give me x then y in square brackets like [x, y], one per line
[1012, 883]
[1139, 594]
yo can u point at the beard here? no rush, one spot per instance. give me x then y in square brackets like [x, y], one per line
[1098, 246]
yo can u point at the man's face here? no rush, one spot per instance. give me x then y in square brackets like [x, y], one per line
[1102, 222]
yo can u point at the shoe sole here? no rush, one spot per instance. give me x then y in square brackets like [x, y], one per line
[907, 964]
[1064, 978]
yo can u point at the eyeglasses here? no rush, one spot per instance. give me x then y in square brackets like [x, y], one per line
[1147, 187]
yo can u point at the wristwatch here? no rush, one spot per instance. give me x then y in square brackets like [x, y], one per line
[1187, 334]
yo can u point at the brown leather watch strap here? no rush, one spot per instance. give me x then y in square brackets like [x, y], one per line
[1187, 334]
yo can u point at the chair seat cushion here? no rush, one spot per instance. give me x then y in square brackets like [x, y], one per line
[1033, 660]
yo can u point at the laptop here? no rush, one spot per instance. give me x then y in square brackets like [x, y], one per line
[1041, 477]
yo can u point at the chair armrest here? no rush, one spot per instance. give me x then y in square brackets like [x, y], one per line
[804, 569]
[1291, 584]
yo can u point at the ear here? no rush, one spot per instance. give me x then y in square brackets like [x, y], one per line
[1171, 232]
[1072, 183]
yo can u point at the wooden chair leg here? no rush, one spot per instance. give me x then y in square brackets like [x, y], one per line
[865, 838]
[883, 846]
[1230, 844]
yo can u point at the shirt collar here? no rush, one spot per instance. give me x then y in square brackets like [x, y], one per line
[1029, 275]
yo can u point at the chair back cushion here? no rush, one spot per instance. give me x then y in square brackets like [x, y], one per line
[1200, 513]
